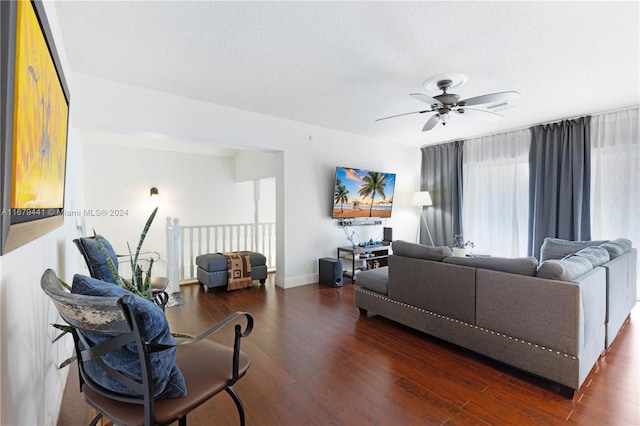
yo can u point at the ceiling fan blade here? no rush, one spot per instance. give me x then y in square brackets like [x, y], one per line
[431, 123]
[427, 99]
[490, 98]
[406, 113]
[480, 113]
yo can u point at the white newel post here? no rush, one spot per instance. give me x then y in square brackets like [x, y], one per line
[167, 240]
[256, 214]
[173, 245]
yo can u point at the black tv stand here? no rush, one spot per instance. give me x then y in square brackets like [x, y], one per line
[377, 255]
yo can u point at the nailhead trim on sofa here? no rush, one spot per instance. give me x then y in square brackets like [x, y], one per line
[533, 345]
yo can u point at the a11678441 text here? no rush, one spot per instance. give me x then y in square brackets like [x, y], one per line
[65, 212]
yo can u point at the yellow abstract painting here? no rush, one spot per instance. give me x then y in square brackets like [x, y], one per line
[40, 120]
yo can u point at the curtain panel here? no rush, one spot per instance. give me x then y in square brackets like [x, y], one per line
[615, 176]
[495, 208]
[559, 182]
[441, 175]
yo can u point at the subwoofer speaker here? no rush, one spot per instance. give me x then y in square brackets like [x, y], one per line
[387, 234]
[330, 271]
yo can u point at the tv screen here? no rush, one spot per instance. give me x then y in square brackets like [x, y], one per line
[361, 193]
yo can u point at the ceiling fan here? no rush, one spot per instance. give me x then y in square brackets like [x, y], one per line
[447, 103]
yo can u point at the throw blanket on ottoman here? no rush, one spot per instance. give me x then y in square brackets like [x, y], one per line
[238, 270]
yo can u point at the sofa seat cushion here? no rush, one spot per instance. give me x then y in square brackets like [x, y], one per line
[168, 381]
[566, 269]
[557, 248]
[617, 247]
[522, 266]
[420, 251]
[375, 280]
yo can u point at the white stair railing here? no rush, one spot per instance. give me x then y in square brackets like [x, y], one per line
[186, 243]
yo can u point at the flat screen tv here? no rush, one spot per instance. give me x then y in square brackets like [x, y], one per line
[361, 193]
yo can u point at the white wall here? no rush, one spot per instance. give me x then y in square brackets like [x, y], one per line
[198, 189]
[31, 383]
[304, 183]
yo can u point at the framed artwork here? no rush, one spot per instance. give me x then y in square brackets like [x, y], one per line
[34, 117]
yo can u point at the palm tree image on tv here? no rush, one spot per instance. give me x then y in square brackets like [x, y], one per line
[341, 195]
[374, 182]
[361, 193]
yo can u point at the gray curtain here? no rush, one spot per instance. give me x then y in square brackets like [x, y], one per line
[441, 175]
[559, 182]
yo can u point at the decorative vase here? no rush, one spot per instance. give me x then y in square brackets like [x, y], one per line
[460, 252]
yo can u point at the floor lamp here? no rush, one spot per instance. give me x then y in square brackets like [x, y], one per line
[422, 199]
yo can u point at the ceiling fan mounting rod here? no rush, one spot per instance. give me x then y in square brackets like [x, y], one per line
[444, 85]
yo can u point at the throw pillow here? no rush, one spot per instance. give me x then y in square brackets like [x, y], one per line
[617, 247]
[168, 381]
[557, 248]
[96, 261]
[565, 269]
[596, 255]
[419, 251]
[521, 266]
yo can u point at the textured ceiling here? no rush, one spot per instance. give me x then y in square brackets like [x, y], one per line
[341, 65]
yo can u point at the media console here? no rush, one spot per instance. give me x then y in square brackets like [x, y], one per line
[363, 258]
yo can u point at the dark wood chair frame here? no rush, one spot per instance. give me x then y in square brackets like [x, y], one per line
[114, 316]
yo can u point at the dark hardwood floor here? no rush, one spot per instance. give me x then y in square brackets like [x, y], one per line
[315, 361]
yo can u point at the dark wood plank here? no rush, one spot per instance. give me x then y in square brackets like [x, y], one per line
[316, 361]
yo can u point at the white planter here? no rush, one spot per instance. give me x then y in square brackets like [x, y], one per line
[461, 252]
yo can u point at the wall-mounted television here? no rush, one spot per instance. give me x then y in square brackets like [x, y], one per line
[361, 193]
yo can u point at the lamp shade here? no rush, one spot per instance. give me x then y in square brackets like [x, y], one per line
[421, 198]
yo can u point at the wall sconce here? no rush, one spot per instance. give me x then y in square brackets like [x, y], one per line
[154, 196]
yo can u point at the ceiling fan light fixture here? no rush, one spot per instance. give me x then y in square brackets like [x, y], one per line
[446, 103]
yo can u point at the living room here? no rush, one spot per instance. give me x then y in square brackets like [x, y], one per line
[305, 155]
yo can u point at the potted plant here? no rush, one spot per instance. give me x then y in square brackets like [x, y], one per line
[460, 245]
[139, 284]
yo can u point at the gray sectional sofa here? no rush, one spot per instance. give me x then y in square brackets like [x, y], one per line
[552, 319]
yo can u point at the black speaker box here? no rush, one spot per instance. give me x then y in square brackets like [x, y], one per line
[387, 234]
[330, 271]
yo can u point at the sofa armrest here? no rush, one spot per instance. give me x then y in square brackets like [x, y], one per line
[563, 316]
[621, 291]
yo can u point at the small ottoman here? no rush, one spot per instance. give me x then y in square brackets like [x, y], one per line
[212, 268]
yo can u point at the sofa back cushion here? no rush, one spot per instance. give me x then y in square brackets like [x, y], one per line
[617, 247]
[521, 266]
[557, 248]
[419, 251]
[595, 254]
[564, 269]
